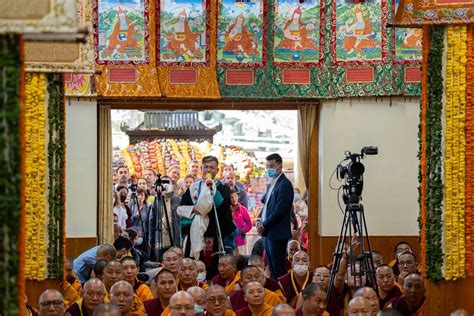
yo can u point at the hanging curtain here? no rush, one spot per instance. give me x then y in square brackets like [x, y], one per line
[105, 218]
[307, 116]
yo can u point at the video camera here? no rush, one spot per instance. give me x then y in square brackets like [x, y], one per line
[352, 173]
[159, 182]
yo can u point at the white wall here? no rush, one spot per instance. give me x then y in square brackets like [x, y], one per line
[390, 179]
[81, 167]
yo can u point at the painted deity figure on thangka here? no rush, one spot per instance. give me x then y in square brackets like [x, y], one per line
[297, 31]
[121, 31]
[183, 31]
[240, 32]
[359, 31]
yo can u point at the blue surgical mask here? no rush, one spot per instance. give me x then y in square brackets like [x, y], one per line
[271, 172]
[139, 241]
[198, 309]
[201, 277]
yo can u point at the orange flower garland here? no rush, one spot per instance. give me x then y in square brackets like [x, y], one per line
[469, 185]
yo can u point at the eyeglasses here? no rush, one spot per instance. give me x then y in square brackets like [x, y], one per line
[55, 303]
[219, 299]
[322, 275]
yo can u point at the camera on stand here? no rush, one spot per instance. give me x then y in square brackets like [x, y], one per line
[159, 183]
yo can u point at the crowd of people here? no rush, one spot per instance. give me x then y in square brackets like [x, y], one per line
[177, 251]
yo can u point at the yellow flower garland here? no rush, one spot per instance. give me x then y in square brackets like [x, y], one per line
[455, 111]
[35, 176]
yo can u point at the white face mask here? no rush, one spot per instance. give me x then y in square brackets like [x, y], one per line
[167, 187]
[139, 241]
[198, 309]
[300, 269]
[201, 277]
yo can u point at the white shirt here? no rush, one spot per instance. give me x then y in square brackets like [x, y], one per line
[267, 197]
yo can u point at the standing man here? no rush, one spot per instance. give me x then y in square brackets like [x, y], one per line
[274, 221]
[194, 168]
[197, 209]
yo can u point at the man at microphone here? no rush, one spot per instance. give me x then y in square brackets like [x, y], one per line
[204, 235]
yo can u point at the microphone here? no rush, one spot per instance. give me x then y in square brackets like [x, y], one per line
[209, 181]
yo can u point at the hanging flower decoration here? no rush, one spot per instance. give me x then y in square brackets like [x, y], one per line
[56, 169]
[469, 184]
[35, 176]
[455, 152]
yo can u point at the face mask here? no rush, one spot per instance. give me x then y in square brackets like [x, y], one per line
[167, 187]
[296, 197]
[139, 241]
[198, 309]
[201, 277]
[271, 172]
[300, 269]
[123, 198]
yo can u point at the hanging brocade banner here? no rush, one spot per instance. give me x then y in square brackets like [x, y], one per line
[186, 48]
[298, 37]
[407, 43]
[124, 57]
[417, 12]
[242, 33]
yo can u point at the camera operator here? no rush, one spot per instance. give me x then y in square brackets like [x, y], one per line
[163, 226]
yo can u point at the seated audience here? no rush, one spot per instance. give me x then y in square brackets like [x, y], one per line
[84, 263]
[93, 296]
[407, 264]
[166, 287]
[400, 247]
[99, 268]
[254, 294]
[181, 304]
[292, 247]
[251, 274]
[201, 270]
[359, 306]
[369, 294]
[121, 294]
[296, 280]
[228, 274]
[314, 301]
[412, 302]
[187, 274]
[170, 261]
[377, 258]
[130, 272]
[216, 302]
[388, 288]
[51, 302]
[199, 296]
[389, 311]
[283, 309]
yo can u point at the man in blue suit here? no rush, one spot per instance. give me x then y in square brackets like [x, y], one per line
[274, 221]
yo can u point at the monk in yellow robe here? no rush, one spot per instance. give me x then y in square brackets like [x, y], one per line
[314, 301]
[216, 302]
[130, 272]
[166, 287]
[228, 274]
[255, 296]
[187, 274]
[122, 295]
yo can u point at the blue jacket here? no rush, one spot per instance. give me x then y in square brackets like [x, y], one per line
[278, 215]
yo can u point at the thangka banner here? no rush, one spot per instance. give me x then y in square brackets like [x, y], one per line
[122, 31]
[358, 32]
[183, 32]
[435, 12]
[297, 32]
[242, 33]
[407, 43]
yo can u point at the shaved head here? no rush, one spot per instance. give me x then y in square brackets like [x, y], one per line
[283, 310]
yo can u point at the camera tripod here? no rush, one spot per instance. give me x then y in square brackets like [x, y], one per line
[358, 255]
[158, 207]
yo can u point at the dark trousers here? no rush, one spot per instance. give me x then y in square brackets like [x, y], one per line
[276, 254]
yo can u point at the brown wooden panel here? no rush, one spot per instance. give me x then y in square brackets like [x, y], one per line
[76, 246]
[35, 288]
[384, 244]
[445, 297]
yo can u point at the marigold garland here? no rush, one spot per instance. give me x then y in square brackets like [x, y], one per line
[56, 188]
[12, 284]
[434, 135]
[35, 176]
[422, 151]
[455, 152]
[469, 184]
